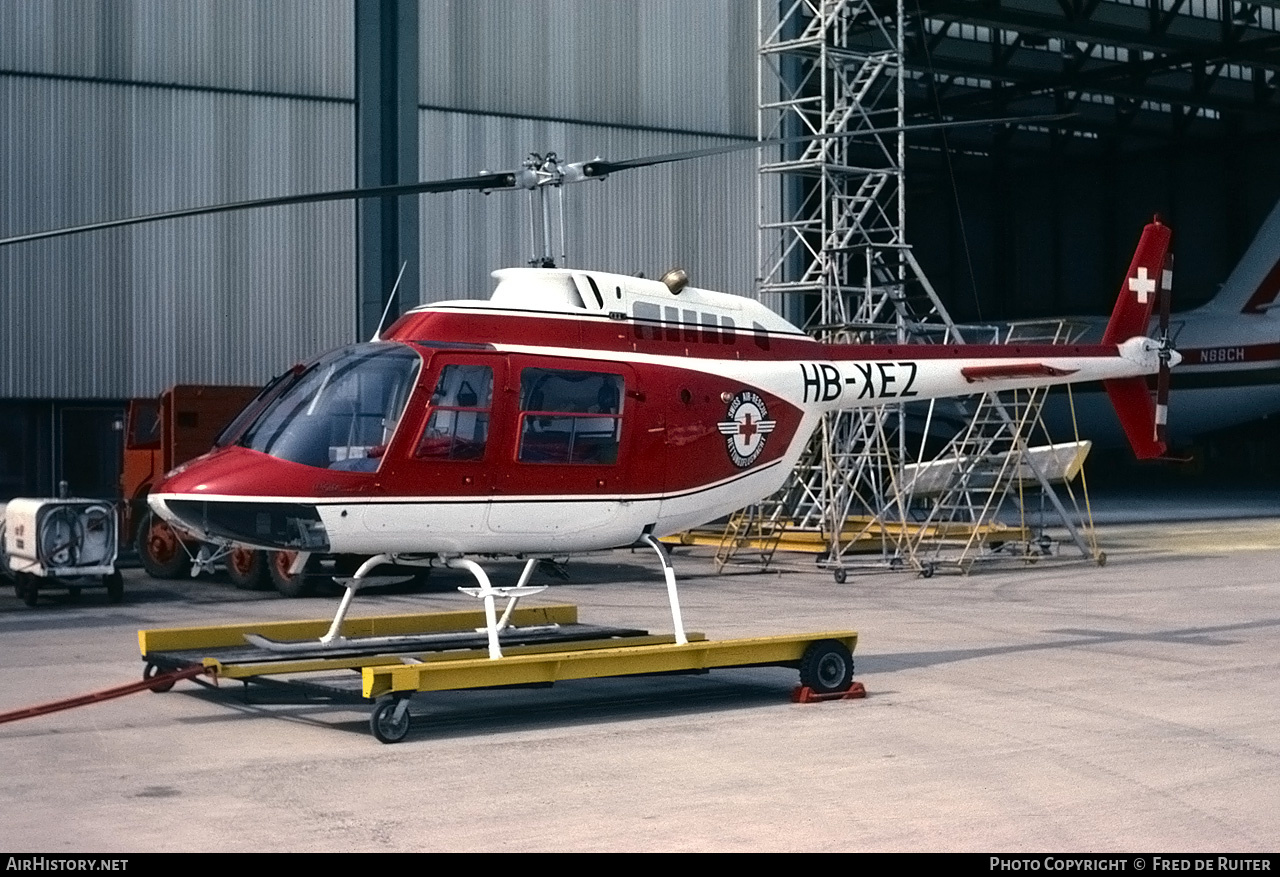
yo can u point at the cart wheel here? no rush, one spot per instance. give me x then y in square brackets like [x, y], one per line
[827, 667]
[247, 568]
[151, 671]
[1102, 558]
[839, 575]
[927, 570]
[115, 586]
[383, 724]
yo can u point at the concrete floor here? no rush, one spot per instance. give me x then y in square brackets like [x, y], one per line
[1066, 707]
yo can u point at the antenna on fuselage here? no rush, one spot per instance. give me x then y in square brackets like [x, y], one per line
[377, 333]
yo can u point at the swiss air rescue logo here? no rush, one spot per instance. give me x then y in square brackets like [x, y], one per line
[746, 428]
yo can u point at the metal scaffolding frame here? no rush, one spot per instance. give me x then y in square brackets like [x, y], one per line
[834, 258]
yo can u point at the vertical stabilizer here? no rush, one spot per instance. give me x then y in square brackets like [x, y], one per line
[1141, 286]
[1254, 283]
[1137, 412]
[1147, 279]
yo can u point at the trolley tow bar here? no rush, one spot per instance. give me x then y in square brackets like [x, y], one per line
[157, 682]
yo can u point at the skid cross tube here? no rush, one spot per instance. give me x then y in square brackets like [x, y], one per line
[488, 593]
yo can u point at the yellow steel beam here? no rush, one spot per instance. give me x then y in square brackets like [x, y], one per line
[626, 660]
[286, 666]
[221, 635]
[813, 542]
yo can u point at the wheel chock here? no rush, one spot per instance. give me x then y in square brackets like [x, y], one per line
[805, 694]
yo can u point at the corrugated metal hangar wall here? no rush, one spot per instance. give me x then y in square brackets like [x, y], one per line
[125, 107]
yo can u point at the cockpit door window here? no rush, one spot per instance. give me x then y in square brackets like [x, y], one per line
[458, 428]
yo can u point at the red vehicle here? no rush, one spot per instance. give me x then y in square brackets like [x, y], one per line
[160, 435]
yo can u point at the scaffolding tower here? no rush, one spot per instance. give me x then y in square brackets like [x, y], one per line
[834, 258]
[833, 255]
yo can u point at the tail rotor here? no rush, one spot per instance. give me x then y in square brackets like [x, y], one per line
[1166, 348]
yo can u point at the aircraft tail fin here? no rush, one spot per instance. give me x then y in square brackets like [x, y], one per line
[1254, 284]
[1141, 286]
[1146, 281]
[1137, 412]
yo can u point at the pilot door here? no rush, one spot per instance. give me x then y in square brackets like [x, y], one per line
[444, 459]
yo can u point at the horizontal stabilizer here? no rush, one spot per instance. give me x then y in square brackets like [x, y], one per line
[1137, 412]
[975, 373]
[1141, 285]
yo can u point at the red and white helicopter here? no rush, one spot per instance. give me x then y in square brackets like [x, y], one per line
[576, 410]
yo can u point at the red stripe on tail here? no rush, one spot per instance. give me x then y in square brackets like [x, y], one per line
[1141, 285]
[1137, 413]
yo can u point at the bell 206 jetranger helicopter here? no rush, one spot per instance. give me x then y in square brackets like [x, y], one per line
[577, 410]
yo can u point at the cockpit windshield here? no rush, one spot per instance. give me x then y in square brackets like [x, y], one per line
[341, 412]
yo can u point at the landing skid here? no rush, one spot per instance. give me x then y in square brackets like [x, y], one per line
[485, 591]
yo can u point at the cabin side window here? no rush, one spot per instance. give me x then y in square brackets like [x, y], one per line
[459, 425]
[570, 416]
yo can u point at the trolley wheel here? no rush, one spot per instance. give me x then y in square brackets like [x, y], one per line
[160, 550]
[115, 586]
[151, 671]
[278, 565]
[383, 724]
[927, 571]
[247, 568]
[839, 575]
[1102, 558]
[827, 667]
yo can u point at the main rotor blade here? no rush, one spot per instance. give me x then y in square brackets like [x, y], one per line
[602, 168]
[595, 169]
[480, 182]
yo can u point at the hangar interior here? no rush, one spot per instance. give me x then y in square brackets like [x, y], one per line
[129, 107]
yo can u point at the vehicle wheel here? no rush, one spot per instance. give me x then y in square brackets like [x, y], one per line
[247, 568]
[927, 570]
[151, 671]
[115, 586]
[278, 564]
[839, 575]
[827, 667]
[28, 588]
[160, 550]
[383, 724]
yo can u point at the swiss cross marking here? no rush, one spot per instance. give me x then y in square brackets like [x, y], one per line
[1142, 285]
